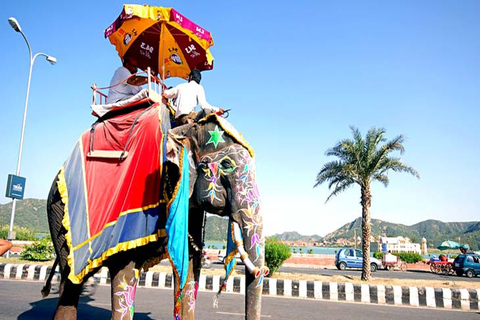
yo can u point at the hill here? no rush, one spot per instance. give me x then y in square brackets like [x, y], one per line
[295, 236]
[433, 230]
[216, 228]
[31, 213]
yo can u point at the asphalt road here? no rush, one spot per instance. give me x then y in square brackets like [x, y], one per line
[21, 300]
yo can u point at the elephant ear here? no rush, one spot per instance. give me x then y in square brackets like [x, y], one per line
[176, 140]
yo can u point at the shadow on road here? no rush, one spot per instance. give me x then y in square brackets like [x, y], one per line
[45, 308]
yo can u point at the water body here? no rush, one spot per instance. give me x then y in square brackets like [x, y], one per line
[315, 250]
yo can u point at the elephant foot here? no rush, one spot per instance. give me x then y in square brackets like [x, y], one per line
[66, 313]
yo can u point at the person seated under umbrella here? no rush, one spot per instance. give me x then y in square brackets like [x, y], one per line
[120, 87]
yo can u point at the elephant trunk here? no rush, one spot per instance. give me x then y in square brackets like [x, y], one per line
[248, 234]
[256, 269]
[253, 297]
[252, 254]
[250, 244]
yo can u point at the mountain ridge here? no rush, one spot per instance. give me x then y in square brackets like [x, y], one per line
[32, 214]
[434, 231]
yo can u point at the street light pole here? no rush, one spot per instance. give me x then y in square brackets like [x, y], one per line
[355, 237]
[16, 26]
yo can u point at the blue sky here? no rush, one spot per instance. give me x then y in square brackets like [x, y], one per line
[296, 77]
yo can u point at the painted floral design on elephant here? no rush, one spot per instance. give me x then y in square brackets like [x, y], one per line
[236, 160]
[246, 190]
[127, 296]
[191, 294]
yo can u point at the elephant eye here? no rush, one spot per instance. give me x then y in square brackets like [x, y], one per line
[203, 165]
[227, 165]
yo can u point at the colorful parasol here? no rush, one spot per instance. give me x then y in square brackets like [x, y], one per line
[449, 244]
[162, 39]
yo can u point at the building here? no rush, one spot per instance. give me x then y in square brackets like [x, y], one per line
[398, 244]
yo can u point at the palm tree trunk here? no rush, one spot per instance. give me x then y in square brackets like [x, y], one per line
[366, 203]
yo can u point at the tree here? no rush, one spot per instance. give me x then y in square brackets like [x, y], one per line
[362, 161]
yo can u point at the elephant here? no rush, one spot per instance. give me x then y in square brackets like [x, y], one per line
[221, 181]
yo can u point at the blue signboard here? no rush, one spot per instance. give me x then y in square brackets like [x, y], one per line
[15, 187]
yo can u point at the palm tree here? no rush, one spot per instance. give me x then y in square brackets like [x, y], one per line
[363, 161]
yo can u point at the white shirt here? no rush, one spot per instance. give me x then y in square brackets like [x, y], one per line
[124, 90]
[188, 95]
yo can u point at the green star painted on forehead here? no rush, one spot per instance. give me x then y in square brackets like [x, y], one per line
[215, 136]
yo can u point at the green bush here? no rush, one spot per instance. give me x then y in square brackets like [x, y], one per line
[276, 253]
[378, 255]
[404, 256]
[409, 257]
[41, 250]
[22, 233]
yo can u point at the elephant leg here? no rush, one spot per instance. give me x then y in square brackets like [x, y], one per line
[123, 289]
[69, 295]
[186, 309]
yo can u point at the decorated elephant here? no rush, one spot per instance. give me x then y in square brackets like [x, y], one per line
[133, 193]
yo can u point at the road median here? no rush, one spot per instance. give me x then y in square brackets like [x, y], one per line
[416, 296]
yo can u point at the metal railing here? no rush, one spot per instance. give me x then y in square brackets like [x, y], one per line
[154, 84]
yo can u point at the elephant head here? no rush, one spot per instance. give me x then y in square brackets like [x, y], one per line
[224, 183]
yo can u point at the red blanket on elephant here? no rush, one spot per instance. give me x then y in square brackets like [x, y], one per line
[114, 204]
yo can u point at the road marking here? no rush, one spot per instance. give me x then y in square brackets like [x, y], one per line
[241, 314]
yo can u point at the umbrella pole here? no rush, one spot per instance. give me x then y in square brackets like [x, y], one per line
[163, 54]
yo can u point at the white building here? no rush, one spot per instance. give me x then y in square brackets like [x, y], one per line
[398, 244]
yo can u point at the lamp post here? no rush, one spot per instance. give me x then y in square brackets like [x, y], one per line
[16, 26]
[355, 237]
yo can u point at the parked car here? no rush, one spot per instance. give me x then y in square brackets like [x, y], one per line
[467, 264]
[353, 258]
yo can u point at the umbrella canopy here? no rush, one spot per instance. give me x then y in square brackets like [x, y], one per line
[162, 39]
[449, 244]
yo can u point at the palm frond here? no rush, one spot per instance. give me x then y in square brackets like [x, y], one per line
[339, 179]
[381, 178]
[329, 171]
[396, 165]
[382, 154]
[339, 188]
